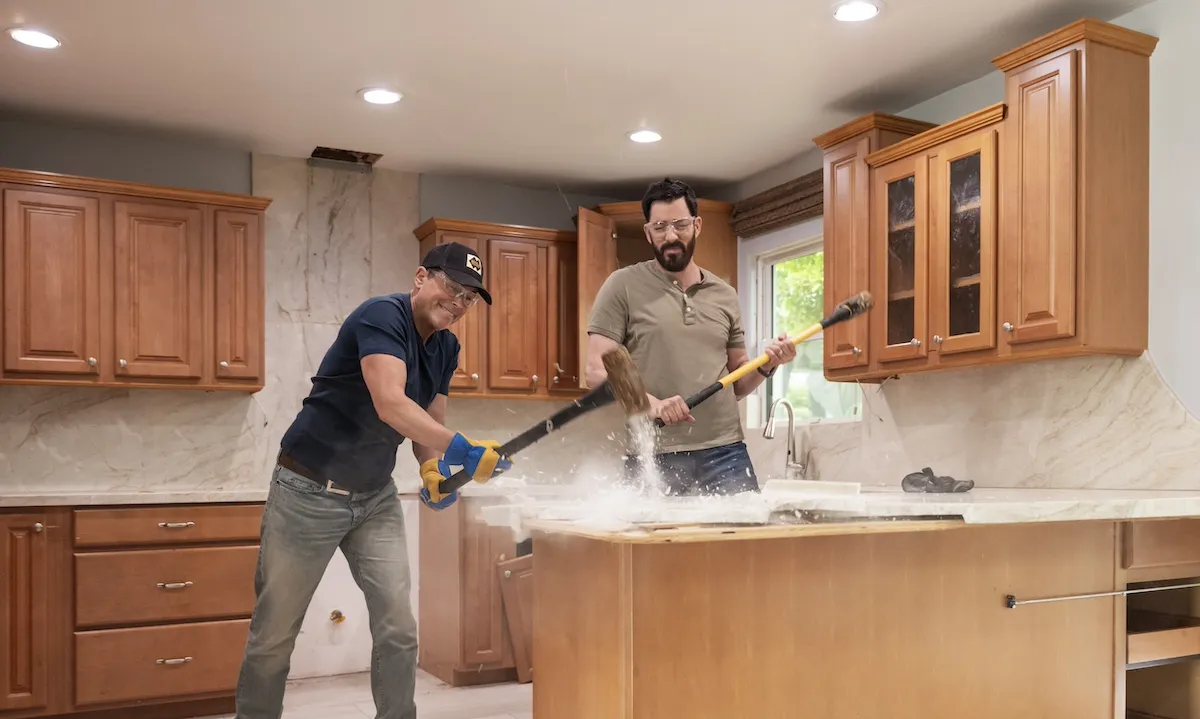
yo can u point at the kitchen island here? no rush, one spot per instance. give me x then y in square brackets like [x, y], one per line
[866, 611]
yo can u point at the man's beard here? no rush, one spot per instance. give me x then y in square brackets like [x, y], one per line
[679, 263]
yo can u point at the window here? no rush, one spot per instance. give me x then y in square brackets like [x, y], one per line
[791, 292]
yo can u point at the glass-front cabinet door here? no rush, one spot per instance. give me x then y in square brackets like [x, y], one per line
[962, 298]
[900, 238]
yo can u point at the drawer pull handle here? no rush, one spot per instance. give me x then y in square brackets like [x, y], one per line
[181, 660]
[176, 525]
[174, 585]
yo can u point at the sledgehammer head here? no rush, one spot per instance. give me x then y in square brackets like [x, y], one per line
[625, 382]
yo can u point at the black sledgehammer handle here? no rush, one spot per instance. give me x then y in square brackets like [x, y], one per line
[595, 399]
[850, 308]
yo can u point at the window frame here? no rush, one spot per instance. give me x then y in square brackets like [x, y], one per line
[763, 309]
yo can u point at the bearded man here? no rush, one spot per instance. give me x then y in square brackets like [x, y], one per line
[683, 327]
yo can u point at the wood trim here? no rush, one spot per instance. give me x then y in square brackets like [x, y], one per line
[472, 227]
[133, 189]
[1085, 29]
[866, 123]
[930, 139]
[632, 211]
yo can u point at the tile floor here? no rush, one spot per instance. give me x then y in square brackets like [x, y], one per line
[349, 697]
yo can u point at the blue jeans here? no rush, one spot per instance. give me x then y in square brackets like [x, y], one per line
[302, 526]
[718, 470]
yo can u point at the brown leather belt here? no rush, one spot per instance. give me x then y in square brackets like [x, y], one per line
[300, 470]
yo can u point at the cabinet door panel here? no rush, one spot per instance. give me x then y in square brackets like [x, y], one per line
[1038, 282]
[517, 317]
[239, 295]
[158, 278]
[24, 618]
[847, 251]
[51, 283]
[597, 259]
[485, 633]
[900, 237]
[963, 253]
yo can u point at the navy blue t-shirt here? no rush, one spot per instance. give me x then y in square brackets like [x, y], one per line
[338, 435]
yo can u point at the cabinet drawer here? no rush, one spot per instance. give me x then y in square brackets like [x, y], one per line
[122, 665]
[1161, 542]
[167, 524]
[154, 585]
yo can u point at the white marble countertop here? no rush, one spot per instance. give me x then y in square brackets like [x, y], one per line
[618, 511]
[97, 498]
[983, 505]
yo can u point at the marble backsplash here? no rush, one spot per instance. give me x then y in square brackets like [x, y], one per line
[1099, 423]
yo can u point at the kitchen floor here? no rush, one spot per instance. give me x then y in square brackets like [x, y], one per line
[349, 697]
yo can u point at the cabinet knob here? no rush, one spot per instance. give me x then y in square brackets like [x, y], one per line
[856, 351]
[123, 363]
[1008, 327]
[38, 526]
[915, 342]
[535, 380]
[91, 362]
[937, 339]
[475, 376]
[224, 364]
[555, 380]
[507, 573]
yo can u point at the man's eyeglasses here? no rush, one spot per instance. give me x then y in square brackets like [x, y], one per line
[681, 226]
[460, 294]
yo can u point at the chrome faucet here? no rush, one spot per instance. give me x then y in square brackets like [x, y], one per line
[796, 467]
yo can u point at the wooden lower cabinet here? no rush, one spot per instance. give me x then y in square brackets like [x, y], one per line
[464, 636]
[124, 608]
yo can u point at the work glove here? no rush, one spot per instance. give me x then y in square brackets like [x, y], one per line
[430, 477]
[480, 459]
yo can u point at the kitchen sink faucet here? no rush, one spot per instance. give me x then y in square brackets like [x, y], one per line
[797, 467]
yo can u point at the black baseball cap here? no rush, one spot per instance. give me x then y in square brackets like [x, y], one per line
[460, 263]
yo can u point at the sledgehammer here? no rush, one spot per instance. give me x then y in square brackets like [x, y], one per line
[852, 307]
[624, 385]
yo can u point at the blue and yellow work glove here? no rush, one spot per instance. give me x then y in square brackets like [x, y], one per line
[480, 459]
[430, 477]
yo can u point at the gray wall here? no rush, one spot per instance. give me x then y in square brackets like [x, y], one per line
[460, 198]
[130, 155]
[948, 106]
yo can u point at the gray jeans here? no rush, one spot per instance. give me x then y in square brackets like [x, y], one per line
[302, 526]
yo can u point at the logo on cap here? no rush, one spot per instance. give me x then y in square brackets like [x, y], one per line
[475, 264]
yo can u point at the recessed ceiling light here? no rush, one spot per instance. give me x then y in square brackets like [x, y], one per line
[34, 38]
[856, 10]
[644, 136]
[380, 96]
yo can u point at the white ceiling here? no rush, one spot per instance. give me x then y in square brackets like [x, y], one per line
[534, 90]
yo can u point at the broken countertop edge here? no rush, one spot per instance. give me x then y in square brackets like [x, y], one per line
[873, 510]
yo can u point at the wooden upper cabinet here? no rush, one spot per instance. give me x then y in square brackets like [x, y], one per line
[848, 255]
[1019, 230]
[158, 290]
[1040, 240]
[119, 284]
[515, 347]
[239, 295]
[597, 259]
[51, 281]
[517, 318]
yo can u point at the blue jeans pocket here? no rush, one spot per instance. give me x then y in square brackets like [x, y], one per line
[290, 480]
